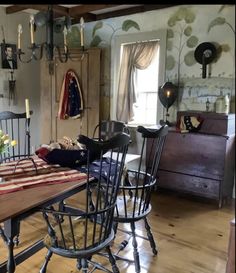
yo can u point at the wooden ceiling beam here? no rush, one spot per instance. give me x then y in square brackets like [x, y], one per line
[132, 10]
[14, 9]
[83, 9]
[88, 17]
[56, 8]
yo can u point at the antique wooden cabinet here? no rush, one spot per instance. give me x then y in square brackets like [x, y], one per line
[200, 163]
[87, 67]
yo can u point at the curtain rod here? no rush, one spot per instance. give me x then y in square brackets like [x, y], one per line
[140, 42]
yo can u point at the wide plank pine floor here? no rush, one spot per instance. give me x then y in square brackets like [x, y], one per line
[192, 237]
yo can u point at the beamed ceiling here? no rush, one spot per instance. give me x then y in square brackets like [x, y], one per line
[89, 12]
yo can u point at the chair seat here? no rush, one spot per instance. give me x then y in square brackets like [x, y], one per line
[79, 226]
[127, 207]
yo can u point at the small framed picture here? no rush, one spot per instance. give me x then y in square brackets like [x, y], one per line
[9, 57]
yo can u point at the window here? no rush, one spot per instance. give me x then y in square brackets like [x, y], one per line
[146, 82]
[148, 110]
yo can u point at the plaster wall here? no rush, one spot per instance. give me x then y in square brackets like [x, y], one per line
[26, 75]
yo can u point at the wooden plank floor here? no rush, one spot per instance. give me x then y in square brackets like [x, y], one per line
[192, 237]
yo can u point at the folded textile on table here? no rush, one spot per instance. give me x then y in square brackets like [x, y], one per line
[65, 158]
[109, 171]
[26, 176]
[66, 152]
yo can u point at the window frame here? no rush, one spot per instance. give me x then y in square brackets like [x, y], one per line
[118, 40]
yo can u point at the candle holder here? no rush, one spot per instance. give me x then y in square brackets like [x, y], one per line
[28, 155]
[12, 85]
[37, 53]
[26, 159]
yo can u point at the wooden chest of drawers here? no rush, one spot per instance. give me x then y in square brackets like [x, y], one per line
[200, 163]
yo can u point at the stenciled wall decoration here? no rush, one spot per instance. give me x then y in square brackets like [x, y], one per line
[180, 25]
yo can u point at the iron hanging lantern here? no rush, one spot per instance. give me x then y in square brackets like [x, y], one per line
[167, 94]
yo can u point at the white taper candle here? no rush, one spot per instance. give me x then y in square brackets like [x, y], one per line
[82, 31]
[32, 29]
[65, 40]
[27, 108]
[20, 30]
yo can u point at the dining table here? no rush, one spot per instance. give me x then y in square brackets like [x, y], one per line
[26, 186]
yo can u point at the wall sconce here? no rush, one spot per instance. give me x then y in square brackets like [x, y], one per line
[167, 94]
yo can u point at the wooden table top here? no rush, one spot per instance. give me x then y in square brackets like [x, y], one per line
[16, 203]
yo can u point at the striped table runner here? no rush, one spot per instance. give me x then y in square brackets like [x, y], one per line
[25, 175]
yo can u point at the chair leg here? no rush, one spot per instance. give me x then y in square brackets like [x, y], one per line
[135, 247]
[47, 259]
[150, 237]
[84, 264]
[112, 261]
[115, 226]
[79, 265]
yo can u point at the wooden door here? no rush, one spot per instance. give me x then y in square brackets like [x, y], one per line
[70, 127]
[87, 68]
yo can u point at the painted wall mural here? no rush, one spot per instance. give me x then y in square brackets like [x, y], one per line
[180, 25]
[194, 92]
[220, 21]
[73, 37]
[187, 27]
[126, 26]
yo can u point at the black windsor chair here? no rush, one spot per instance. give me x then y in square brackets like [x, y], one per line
[134, 198]
[85, 230]
[17, 126]
[108, 128]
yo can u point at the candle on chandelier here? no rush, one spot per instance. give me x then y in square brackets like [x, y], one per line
[32, 29]
[82, 31]
[65, 40]
[27, 108]
[20, 30]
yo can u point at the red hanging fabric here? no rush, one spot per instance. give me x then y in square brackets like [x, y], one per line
[71, 100]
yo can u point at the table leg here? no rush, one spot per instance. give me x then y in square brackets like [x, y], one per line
[11, 266]
[11, 229]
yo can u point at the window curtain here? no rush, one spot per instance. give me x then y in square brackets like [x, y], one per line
[137, 55]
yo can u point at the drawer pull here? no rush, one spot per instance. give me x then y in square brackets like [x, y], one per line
[205, 186]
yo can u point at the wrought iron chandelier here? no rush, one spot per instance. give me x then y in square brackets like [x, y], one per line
[36, 50]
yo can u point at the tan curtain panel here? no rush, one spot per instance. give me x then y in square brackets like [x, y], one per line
[137, 55]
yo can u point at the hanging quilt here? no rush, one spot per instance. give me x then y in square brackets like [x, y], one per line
[71, 100]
